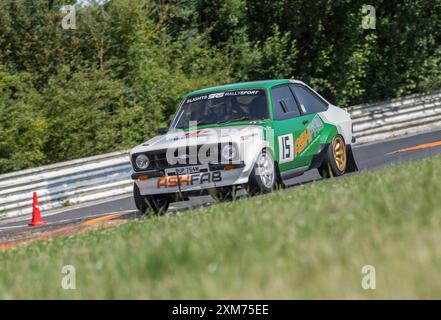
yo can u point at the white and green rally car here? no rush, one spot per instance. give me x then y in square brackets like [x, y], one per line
[253, 135]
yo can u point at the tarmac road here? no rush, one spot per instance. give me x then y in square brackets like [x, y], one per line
[368, 157]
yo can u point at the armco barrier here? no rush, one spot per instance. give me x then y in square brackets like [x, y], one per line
[107, 176]
[396, 117]
[66, 183]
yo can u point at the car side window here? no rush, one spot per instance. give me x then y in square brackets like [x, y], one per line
[284, 103]
[309, 102]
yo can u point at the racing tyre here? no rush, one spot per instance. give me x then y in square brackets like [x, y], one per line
[351, 163]
[335, 161]
[158, 204]
[263, 178]
[140, 201]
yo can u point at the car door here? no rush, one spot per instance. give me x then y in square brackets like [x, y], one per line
[289, 124]
[308, 141]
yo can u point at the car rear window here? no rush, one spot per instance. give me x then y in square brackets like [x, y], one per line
[309, 102]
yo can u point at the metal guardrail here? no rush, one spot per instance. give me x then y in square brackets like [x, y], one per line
[108, 175]
[66, 183]
[396, 117]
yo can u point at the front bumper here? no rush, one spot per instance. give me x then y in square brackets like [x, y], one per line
[156, 182]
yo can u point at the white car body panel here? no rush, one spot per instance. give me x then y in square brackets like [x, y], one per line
[250, 140]
[341, 119]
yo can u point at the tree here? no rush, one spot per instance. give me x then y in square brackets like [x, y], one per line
[22, 127]
[86, 111]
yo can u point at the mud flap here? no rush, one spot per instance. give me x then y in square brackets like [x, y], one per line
[351, 164]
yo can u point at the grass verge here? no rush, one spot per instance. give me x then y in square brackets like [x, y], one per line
[306, 242]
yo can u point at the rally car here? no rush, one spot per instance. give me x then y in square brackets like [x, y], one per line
[253, 135]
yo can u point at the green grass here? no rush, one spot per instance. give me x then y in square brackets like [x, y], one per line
[304, 242]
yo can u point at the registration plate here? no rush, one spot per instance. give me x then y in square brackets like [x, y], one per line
[186, 170]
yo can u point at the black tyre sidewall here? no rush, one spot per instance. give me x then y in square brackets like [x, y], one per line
[140, 201]
[224, 194]
[152, 203]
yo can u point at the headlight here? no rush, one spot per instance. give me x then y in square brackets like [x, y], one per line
[142, 161]
[229, 152]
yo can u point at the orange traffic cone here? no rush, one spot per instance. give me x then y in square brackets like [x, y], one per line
[36, 215]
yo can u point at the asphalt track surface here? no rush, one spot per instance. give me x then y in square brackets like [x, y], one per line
[368, 157]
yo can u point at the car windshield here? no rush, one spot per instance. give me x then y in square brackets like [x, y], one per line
[221, 107]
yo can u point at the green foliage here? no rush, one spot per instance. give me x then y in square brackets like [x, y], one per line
[270, 59]
[165, 70]
[121, 74]
[22, 126]
[85, 112]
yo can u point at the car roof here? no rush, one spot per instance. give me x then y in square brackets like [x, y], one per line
[244, 85]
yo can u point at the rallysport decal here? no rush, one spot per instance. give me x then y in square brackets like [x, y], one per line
[189, 180]
[309, 136]
[222, 94]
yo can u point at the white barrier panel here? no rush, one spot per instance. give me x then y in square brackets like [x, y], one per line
[108, 175]
[396, 117]
[66, 183]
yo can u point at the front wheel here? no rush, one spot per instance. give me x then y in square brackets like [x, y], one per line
[223, 194]
[140, 201]
[158, 204]
[335, 161]
[264, 175]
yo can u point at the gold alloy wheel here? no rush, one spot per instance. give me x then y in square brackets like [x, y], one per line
[339, 150]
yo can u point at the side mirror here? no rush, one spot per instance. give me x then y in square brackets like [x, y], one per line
[162, 130]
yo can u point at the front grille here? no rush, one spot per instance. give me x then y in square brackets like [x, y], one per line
[158, 158]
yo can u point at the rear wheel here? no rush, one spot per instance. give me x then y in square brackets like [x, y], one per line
[351, 165]
[158, 204]
[335, 161]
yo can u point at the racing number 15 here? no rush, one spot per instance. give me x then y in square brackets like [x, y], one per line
[286, 148]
